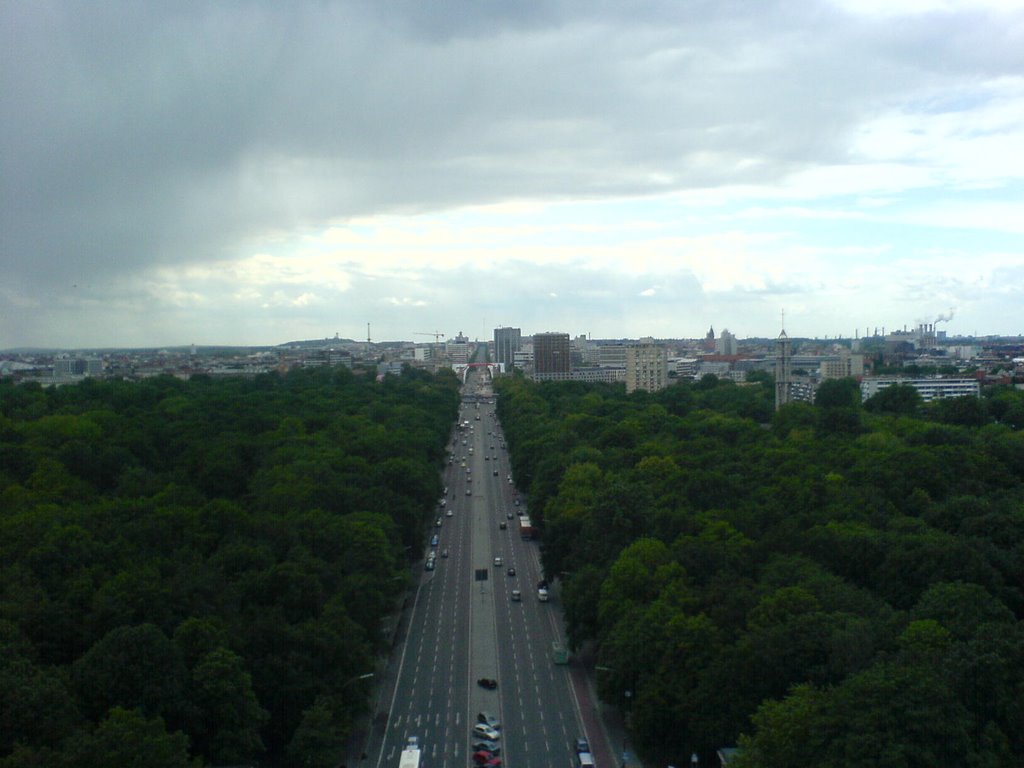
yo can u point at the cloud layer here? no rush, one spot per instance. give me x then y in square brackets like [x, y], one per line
[254, 173]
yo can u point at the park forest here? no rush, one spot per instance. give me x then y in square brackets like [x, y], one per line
[838, 585]
[194, 573]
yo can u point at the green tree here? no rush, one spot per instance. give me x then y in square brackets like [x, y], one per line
[224, 715]
[132, 667]
[897, 400]
[127, 739]
[320, 739]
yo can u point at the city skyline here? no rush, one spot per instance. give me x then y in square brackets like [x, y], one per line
[249, 175]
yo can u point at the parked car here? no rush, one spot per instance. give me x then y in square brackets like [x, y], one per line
[482, 745]
[487, 682]
[485, 732]
[489, 720]
[429, 565]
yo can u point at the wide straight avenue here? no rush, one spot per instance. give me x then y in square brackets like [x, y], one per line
[477, 616]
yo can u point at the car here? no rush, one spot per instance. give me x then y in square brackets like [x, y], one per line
[485, 732]
[517, 502]
[449, 513]
[497, 562]
[582, 745]
[482, 756]
[542, 595]
[508, 515]
[487, 458]
[511, 571]
[510, 481]
[469, 492]
[482, 745]
[495, 473]
[444, 554]
[503, 525]
[442, 502]
[517, 596]
[489, 720]
[437, 523]
[487, 682]
[429, 565]
[542, 584]
[435, 540]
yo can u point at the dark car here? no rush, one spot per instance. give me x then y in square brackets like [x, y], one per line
[487, 682]
[503, 525]
[542, 584]
[511, 571]
[508, 515]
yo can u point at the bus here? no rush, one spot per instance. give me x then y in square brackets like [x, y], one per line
[411, 754]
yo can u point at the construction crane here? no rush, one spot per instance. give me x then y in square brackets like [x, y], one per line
[436, 334]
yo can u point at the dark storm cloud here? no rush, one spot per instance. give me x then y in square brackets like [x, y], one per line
[142, 134]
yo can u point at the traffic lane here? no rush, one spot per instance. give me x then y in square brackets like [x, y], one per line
[433, 681]
[540, 712]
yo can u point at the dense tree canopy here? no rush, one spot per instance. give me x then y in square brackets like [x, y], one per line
[190, 572]
[832, 584]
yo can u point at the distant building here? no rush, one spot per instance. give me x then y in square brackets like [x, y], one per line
[928, 389]
[551, 357]
[726, 344]
[592, 374]
[612, 355]
[844, 366]
[458, 350]
[646, 366]
[783, 369]
[507, 342]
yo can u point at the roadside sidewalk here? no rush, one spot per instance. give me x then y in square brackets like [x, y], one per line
[609, 741]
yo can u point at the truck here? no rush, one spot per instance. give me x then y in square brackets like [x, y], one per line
[525, 528]
[410, 757]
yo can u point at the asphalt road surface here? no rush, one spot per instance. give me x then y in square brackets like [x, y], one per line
[463, 625]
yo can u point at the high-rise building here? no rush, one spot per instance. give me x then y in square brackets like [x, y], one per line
[506, 343]
[646, 366]
[783, 369]
[726, 344]
[551, 357]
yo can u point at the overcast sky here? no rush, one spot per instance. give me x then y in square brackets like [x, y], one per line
[254, 173]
